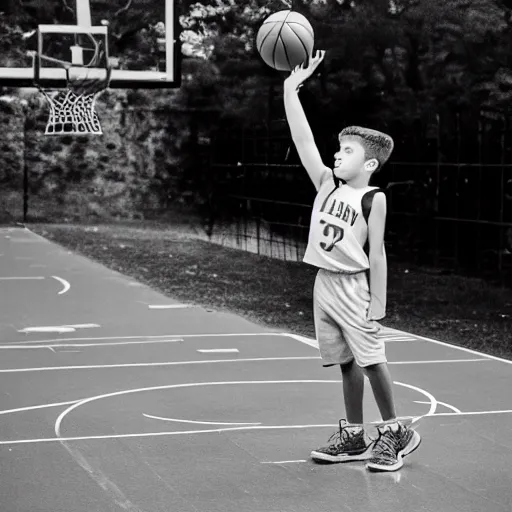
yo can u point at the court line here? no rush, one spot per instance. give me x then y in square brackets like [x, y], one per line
[171, 433]
[142, 338]
[448, 406]
[283, 461]
[416, 337]
[105, 344]
[61, 417]
[431, 398]
[220, 430]
[431, 413]
[431, 361]
[33, 407]
[208, 361]
[156, 338]
[55, 328]
[303, 339]
[386, 336]
[470, 351]
[34, 278]
[169, 363]
[310, 342]
[218, 350]
[473, 413]
[197, 422]
[66, 285]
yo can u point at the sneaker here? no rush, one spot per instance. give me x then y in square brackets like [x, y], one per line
[347, 444]
[395, 441]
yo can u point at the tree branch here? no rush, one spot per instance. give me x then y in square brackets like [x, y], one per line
[119, 36]
[67, 7]
[123, 9]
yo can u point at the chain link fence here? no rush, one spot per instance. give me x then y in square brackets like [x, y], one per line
[449, 189]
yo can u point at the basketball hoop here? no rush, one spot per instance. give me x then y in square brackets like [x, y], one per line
[72, 110]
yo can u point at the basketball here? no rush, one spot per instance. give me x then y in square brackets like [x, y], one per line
[285, 40]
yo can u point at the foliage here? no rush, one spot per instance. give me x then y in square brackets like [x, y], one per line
[393, 60]
[386, 59]
[388, 62]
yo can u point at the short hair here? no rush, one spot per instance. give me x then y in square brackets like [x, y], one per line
[376, 144]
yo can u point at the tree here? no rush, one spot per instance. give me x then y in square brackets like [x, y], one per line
[391, 59]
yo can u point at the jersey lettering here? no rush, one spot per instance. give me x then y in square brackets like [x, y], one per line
[339, 209]
[333, 234]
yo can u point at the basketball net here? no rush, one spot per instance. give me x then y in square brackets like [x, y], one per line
[72, 110]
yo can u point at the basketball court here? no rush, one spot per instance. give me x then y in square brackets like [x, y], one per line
[115, 397]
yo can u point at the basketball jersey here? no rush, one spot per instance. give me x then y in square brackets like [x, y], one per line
[338, 231]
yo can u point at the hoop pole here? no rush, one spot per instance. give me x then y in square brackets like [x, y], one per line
[169, 41]
[25, 164]
[36, 64]
[83, 13]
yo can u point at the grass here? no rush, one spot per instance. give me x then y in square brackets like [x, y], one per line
[177, 261]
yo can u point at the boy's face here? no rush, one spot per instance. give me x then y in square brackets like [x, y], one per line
[349, 160]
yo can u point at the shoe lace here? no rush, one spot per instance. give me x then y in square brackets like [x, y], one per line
[386, 444]
[337, 438]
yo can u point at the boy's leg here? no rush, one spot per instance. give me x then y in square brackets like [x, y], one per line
[395, 439]
[362, 338]
[353, 391]
[380, 380]
[349, 442]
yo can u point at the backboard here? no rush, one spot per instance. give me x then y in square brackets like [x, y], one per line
[141, 39]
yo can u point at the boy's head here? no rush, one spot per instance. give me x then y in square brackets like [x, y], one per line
[362, 150]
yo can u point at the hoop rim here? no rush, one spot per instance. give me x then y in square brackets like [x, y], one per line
[66, 63]
[39, 83]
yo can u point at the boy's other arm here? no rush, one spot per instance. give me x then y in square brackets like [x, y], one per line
[377, 257]
[302, 136]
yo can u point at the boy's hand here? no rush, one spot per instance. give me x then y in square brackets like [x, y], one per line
[302, 72]
[375, 312]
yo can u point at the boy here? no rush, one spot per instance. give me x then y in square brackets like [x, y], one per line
[347, 216]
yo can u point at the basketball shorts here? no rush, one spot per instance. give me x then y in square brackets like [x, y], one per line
[341, 303]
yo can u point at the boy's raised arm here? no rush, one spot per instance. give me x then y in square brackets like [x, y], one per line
[299, 127]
